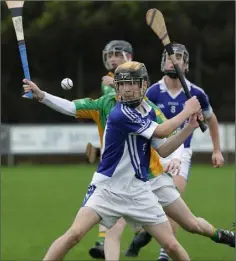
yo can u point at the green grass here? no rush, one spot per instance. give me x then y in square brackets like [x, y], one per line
[38, 204]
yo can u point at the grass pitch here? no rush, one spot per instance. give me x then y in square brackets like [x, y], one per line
[38, 203]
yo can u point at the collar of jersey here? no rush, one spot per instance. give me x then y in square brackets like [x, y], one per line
[146, 106]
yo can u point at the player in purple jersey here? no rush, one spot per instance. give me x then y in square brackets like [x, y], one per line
[169, 96]
[116, 52]
[120, 186]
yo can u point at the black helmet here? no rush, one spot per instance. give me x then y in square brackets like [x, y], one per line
[116, 46]
[133, 72]
[178, 49]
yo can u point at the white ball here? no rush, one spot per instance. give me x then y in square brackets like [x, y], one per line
[66, 84]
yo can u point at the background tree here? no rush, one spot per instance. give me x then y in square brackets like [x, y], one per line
[65, 39]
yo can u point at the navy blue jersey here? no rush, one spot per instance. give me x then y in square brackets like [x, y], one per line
[126, 145]
[172, 104]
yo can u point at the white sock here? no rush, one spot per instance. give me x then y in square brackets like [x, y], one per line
[163, 254]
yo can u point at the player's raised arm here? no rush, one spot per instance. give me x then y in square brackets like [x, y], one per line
[86, 108]
[176, 140]
[56, 103]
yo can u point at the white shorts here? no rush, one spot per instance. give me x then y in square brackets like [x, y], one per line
[139, 210]
[164, 188]
[185, 162]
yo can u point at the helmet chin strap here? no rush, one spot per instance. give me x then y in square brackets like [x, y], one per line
[131, 104]
[171, 73]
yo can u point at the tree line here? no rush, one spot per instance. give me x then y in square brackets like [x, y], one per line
[66, 39]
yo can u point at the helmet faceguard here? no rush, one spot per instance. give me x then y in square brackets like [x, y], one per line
[130, 81]
[180, 50]
[116, 48]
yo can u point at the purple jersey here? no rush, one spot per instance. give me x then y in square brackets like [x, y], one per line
[172, 104]
[127, 138]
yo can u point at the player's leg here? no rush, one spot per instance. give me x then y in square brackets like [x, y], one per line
[97, 251]
[181, 183]
[164, 236]
[141, 239]
[163, 256]
[103, 204]
[180, 212]
[84, 221]
[181, 179]
[112, 240]
[92, 153]
[149, 213]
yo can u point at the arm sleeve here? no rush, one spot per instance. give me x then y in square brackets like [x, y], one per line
[107, 90]
[130, 122]
[59, 104]
[205, 104]
[87, 108]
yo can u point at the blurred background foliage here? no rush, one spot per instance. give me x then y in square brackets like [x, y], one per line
[66, 39]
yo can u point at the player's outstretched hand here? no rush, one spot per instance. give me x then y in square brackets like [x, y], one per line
[31, 86]
[192, 105]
